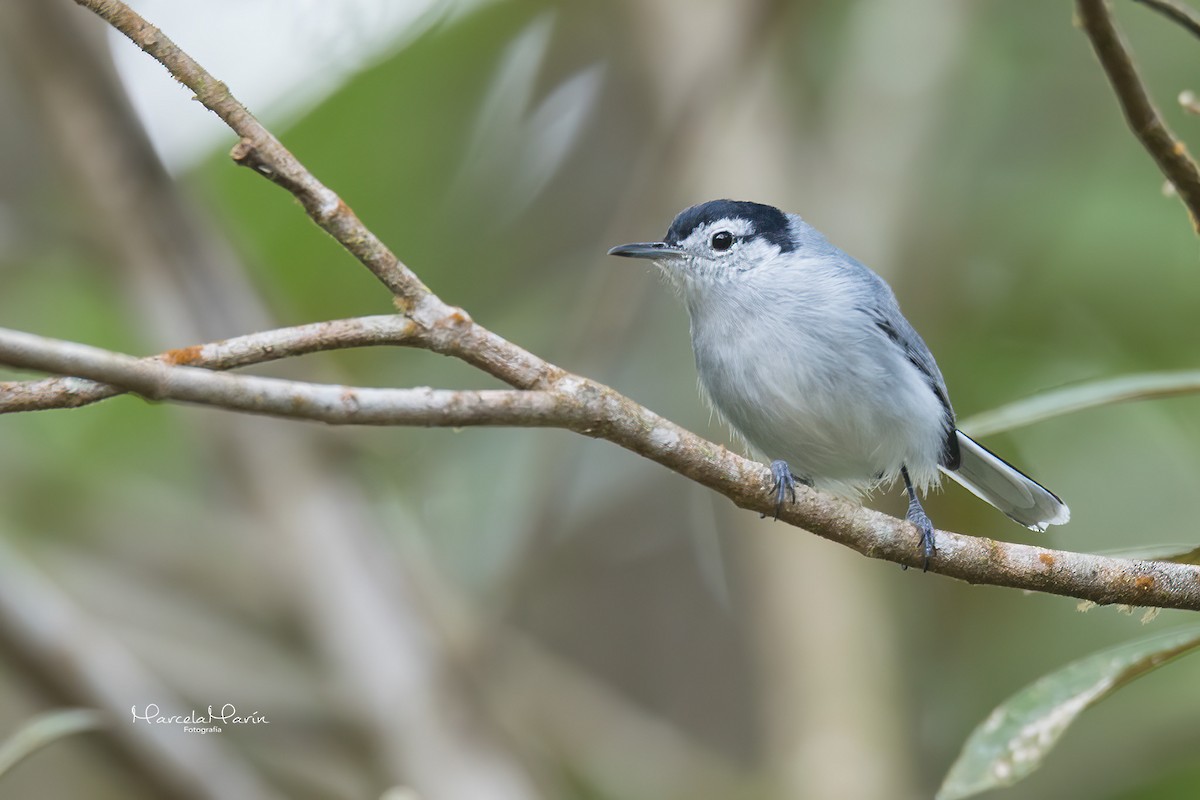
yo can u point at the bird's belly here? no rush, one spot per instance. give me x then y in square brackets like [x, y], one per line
[845, 425]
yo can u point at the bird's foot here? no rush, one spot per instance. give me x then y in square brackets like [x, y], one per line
[785, 484]
[918, 517]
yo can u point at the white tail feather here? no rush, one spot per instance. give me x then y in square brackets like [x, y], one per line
[993, 479]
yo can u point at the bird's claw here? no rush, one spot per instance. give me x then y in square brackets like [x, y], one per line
[918, 517]
[784, 486]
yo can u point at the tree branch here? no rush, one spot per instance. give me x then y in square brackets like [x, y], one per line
[241, 351]
[1144, 120]
[595, 410]
[260, 150]
[1177, 12]
[157, 379]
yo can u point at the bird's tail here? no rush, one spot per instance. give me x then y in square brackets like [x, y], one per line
[993, 479]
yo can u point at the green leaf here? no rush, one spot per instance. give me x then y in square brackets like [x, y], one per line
[1174, 553]
[1069, 399]
[46, 729]
[1015, 738]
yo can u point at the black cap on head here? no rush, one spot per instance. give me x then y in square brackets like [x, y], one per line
[768, 222]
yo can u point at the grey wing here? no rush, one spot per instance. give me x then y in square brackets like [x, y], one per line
[904, 336]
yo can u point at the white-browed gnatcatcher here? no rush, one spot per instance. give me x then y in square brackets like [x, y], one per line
[803, 351]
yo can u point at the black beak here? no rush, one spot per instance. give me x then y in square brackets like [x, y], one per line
[659, 251]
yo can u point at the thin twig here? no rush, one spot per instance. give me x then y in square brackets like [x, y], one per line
[241, 351]
[1144, 120]
[595, 410]
[1177, 12]
[336, 405]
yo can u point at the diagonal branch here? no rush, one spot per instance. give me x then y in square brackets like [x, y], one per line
[595, 410]
[448, 330]
[262, 151]
[1144, 120]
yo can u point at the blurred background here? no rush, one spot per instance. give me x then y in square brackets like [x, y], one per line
[515, 613]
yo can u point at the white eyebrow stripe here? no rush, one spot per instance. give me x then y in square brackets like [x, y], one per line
[735, 225]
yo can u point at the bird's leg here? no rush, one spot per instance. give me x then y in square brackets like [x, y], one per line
[785, 484]
[918, 517]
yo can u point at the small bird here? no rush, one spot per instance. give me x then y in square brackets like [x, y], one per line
[804, 353]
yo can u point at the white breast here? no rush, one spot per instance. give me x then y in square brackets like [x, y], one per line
[813, 381]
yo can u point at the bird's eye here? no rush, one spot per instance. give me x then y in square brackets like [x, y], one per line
[722, 240]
